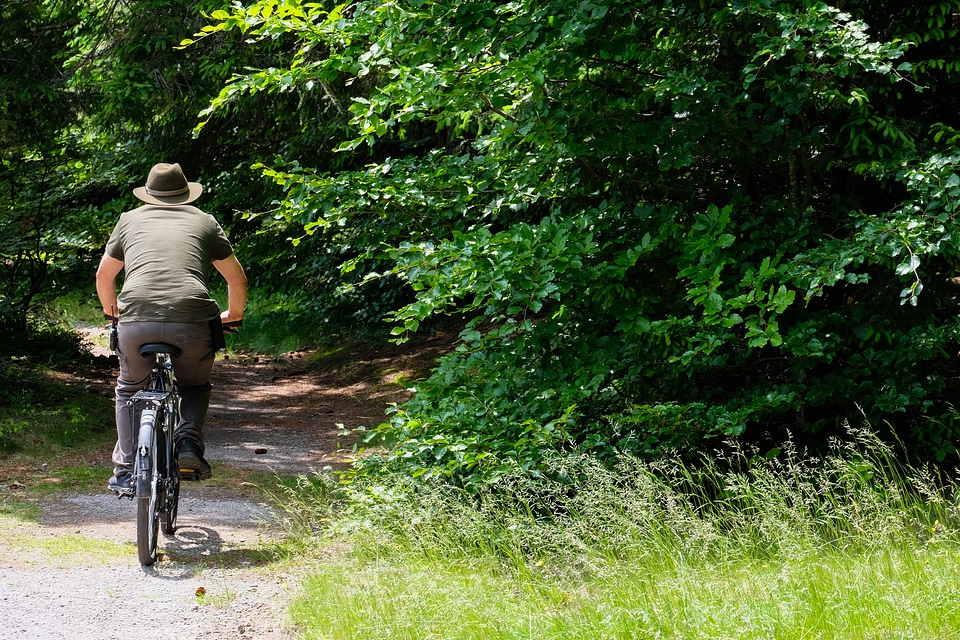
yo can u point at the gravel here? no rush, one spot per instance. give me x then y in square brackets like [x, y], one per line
[212, 579]
[214, 553]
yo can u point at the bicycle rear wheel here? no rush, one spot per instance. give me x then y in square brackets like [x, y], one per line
[149, 497]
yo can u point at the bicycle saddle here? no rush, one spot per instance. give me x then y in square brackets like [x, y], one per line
[153, 348]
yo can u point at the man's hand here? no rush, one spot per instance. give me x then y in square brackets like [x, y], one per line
[232, 326]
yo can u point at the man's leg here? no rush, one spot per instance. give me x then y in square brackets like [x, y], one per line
[134, 375]
[194, 402]
[192, 370]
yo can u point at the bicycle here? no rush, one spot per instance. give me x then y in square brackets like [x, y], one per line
[156, 471]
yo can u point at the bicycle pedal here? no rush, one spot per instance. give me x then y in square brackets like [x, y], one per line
[189, 474]
[125, 493]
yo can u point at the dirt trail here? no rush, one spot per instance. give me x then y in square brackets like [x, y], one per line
[279, 415]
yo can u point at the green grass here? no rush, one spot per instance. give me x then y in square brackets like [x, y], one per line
[271, 326]
[51, 424]
[886, 594]
[77, 308]
[65, 549]
[42, 410]
[54, 434]
[848, 546]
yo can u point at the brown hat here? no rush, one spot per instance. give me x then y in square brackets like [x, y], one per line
[166, 184]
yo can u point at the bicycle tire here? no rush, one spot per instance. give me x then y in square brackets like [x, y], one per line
[168, 519]
[148, 494]
[168, 522]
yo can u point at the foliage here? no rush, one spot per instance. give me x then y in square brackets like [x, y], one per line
[41, 225]
[667, 220]
[662, 221]
[92, 94]
[56, 413]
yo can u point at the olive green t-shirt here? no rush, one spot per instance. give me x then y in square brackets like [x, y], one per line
[167, 253]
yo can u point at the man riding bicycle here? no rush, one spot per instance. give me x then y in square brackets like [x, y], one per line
[166, 248]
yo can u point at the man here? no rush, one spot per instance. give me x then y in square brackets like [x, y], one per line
[166, 248]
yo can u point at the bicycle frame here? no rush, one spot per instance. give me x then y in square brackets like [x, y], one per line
[159, 403]
[161, 400]
[156, 472]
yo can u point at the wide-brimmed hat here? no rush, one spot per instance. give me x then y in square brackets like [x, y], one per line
[166, 184]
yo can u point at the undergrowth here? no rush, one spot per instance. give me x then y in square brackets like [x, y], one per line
[41, 404]
[274, 324]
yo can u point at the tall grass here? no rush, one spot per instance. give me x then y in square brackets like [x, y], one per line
[850, 545]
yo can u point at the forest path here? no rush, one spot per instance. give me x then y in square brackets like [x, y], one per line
[73, 573]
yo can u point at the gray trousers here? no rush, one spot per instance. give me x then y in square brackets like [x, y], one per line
[191, 372]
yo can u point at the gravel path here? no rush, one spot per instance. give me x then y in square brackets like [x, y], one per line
[46, 595]
[52, 588]
[74, 574]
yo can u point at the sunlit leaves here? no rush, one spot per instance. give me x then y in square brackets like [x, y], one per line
[511, 274]
[688, 217]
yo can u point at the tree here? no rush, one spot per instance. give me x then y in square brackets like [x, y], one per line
[667, 220]
[37, 150]
[142, 93]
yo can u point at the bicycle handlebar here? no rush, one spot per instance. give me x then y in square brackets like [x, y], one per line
[232, 327]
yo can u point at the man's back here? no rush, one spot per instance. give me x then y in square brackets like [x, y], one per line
[167, 251]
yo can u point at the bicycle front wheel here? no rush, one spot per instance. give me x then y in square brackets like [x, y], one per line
[148, 494]
[169, 520]
[171, 474]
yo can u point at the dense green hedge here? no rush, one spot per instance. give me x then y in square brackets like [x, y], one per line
[668, 219]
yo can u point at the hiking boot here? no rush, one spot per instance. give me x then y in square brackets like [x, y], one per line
[122, 483]
[192, 464]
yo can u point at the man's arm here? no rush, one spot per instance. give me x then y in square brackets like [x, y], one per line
[236, 279]
[107, 284]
